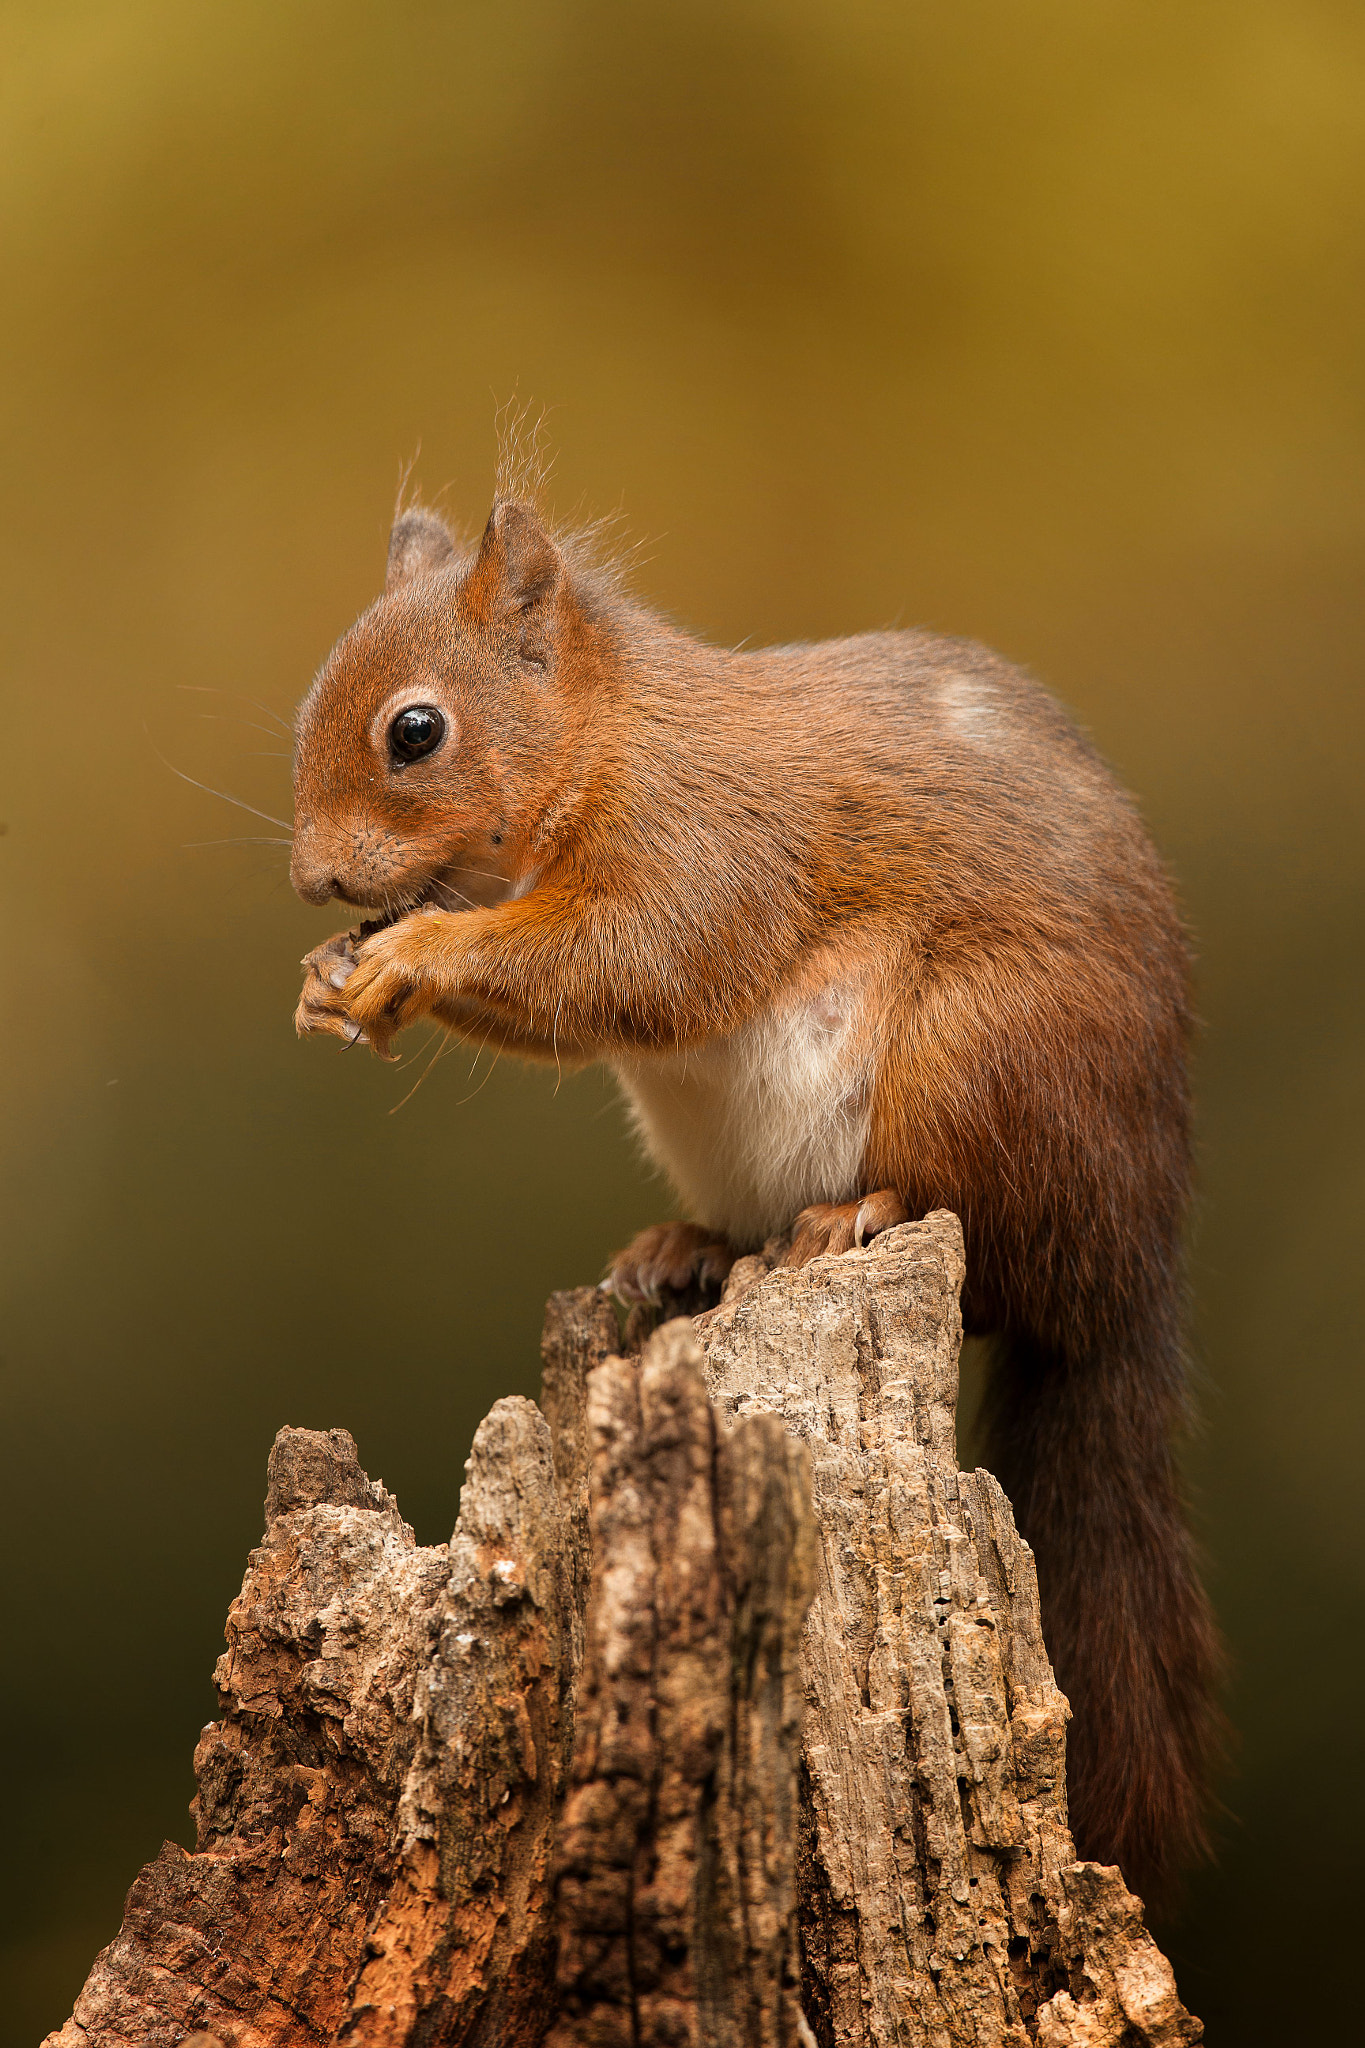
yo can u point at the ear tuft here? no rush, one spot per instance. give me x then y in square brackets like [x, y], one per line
[419, 544]
[518, 563]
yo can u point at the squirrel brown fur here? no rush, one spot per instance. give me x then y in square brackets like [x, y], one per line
[865, 929]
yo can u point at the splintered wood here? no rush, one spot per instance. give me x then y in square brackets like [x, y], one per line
[724, 1718]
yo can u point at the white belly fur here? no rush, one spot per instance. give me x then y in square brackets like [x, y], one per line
[753, 1127]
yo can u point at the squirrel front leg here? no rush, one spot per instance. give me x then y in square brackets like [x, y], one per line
[322, 1009]
[588, 975]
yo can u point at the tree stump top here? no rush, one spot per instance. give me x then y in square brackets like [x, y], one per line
[725, 1717]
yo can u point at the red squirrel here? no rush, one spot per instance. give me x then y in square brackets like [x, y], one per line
[865, 929]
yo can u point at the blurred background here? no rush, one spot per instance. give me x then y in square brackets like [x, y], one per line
[1038, 324]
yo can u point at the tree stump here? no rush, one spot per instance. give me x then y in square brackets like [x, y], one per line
[724, 1718]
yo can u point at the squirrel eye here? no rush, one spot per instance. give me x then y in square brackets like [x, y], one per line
[417, 731]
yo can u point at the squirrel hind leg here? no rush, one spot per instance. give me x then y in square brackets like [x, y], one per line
[828, 1228]
[669, 1258]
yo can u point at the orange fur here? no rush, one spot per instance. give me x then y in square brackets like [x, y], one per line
[874, 905]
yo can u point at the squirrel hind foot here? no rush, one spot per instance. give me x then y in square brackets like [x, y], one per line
[669, 1258]
[828, 1228]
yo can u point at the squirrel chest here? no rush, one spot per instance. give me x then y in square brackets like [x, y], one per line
[753, 1126]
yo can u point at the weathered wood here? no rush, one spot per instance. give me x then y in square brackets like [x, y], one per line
[552, 1782]
[676, 1896]
[376, 1803]
[940, 1898]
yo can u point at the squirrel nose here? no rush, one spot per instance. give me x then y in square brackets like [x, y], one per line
[319, 890]
[316, 884]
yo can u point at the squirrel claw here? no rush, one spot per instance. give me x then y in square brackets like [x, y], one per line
[829, 1228]
[669, 1257]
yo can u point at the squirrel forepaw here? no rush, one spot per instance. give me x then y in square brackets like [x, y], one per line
[322, 1007]
[364, 991]
[378, 1003]
[391, 984]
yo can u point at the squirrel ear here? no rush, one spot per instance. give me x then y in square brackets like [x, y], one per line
[517, 561]
[419, 543]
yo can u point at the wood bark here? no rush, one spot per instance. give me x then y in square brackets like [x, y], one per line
[724, 1717]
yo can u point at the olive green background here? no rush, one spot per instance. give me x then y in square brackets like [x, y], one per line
[1042, 324]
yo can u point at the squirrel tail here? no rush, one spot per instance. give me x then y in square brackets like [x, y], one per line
[1079, 1434]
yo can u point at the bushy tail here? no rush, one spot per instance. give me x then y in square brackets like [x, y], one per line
[1080, 1438]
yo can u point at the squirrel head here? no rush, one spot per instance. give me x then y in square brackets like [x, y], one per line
[433, 743]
